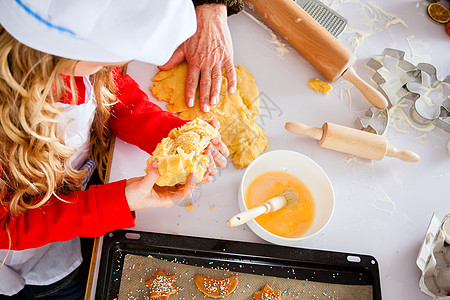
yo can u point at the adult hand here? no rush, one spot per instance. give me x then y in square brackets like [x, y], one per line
[141, 192]
[207, 52]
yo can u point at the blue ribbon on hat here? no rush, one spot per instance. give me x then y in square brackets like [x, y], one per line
[41, 19]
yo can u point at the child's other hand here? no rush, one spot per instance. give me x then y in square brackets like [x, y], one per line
[217, 153]
[142, 192]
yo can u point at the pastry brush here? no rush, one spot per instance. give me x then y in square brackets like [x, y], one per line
[288, 198]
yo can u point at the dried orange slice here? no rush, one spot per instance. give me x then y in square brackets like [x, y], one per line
[438, 13]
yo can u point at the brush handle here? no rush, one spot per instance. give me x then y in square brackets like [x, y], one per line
[248, 215]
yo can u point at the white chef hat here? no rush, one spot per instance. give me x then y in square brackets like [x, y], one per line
[101, 30]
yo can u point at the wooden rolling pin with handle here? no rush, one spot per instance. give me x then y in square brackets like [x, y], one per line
[314, 43]
[352, 141]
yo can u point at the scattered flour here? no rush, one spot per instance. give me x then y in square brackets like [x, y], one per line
[420, 51]
[401, 122]
[372, 19]
[280, 47]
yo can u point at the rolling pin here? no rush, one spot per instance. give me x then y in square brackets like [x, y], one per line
[315, 43]
[352, 141]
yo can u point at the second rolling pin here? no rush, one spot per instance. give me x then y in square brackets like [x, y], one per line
[352, 141]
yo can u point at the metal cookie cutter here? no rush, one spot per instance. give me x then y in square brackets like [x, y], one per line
[392, 72]
[431, 97]
[375, 121]
[399, 79]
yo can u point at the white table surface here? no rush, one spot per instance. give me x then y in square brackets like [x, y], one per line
[382, 207]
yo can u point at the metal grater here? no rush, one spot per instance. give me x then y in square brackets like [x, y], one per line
[325, 16]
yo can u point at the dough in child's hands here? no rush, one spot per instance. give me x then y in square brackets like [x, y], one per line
[216, 287]
[181, 153]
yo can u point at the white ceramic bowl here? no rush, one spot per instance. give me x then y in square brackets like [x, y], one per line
[307, 171]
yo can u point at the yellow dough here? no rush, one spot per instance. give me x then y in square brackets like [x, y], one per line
[235, 112]
[181, 153]
[319, 86]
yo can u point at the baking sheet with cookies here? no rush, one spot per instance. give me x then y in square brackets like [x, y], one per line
[130, 258]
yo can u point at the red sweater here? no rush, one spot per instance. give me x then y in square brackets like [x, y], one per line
[102, 208]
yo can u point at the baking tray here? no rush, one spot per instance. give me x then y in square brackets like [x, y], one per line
[273, 260]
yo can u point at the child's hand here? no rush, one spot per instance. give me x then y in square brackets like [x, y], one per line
[142, 193]
[217, 153]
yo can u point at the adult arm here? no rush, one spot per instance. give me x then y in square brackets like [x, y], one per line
[233, 6]
[207, 52]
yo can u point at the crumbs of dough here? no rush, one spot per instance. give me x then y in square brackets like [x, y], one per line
[319, 86]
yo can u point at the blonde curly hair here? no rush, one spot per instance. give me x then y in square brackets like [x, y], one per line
[34, 159]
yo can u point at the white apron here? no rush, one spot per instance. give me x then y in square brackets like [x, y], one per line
[52, 262]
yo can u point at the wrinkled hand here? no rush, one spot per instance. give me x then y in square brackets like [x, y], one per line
[142, 192]
[207, 52]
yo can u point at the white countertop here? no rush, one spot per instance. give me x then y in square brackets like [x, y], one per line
[382, 207]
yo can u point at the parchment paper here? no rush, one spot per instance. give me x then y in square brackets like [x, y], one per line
[138, 269]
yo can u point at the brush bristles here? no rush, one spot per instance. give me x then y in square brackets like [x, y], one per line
[291, 197]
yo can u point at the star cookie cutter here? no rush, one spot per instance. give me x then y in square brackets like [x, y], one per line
[431, 97]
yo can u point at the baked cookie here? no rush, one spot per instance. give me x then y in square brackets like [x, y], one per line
[267, 293]
[161, 286]
[216, 287]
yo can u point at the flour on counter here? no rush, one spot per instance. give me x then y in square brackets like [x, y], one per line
[372, 19]
[281, 48]
[381, 209]
[401, 122]
[415, 45]
[388, 200]
[351, 158]
[421, 138]
[378, 14]
[344, 92]
[391, 18]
